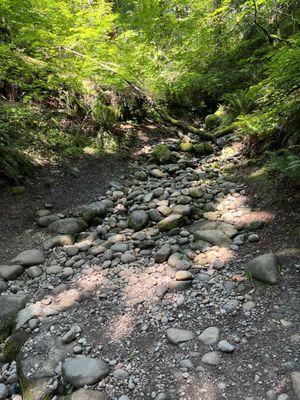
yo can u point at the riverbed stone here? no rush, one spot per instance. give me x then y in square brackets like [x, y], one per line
[264, 268]
[68, 226]
[176, 335]
[81, 370]
[138, 219]
[27, 258]
[11, 272]
[210, 335]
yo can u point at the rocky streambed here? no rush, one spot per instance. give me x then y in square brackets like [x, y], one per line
[156, 290]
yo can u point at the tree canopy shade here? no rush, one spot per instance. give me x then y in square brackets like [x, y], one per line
[98, 57]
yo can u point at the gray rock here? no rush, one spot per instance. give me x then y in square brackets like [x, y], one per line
[47, 220]
[231, 305]
[210, 335]
[69, 336]
[186, 364]
[203, 225]
[248, 305]
[138, 220]
[81, 370]
[58, 241]
[176, 335]
[225, 346]
[170, 222]
[3, 391]
[120, 374]
[264, 268]
[211, 358]
[196, 192]
[34, 271]
[68, 226]
[163, 253]
[10, 305]
[216, 238]
[11, 272]
[3, 286]
[295, 377]
[27, 258]
[83, 394]
[162, 396]
[97, 209]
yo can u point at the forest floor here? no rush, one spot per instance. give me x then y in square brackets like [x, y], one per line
[141, 299]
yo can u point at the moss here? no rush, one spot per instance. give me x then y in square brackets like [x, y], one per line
[186, 146]
[17, 190]
[211, 121]
[224, 131]
[161, 153]
[203, 148]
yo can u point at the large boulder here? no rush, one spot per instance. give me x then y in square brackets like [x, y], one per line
[68, 226]
[138, 219]
[94, 210]
[264, 268]
[37, 367]
[10, 305]
[27, 258]
[81, 370]
[216, 238]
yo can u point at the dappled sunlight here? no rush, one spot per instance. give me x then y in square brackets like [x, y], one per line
[212, 256]
[92, 279]
[119, 327]
[199, 389]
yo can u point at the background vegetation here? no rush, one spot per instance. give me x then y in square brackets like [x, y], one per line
[70, 70]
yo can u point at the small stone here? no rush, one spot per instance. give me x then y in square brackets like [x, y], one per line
[186, 364]
[138, 219]
[120, 374]
[209, 335]
[163, 253]
[248, 305]
[231, 305]
[211, 358]
[184, 276]
[253, 238]
[34, 271]
[225, 346]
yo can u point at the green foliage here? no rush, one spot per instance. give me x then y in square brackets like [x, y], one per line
[106, 116]
[240, 102]
[286, 163]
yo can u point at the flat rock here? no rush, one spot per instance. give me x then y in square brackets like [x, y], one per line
[11, 272]
[163, 253]
[97, 209]
[176, 335]
[210, 335]
[81, 370]
[215, 237]
[27, 258]
[58, 241]
[83, 394]
[68, 226]
[211, 358]
[264, 268]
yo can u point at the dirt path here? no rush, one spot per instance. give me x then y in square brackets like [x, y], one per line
[125, 310]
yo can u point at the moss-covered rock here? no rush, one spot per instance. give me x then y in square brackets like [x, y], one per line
[203, 148]
[10, 305]
[161, 154]
[212, 121]
[186, 146]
